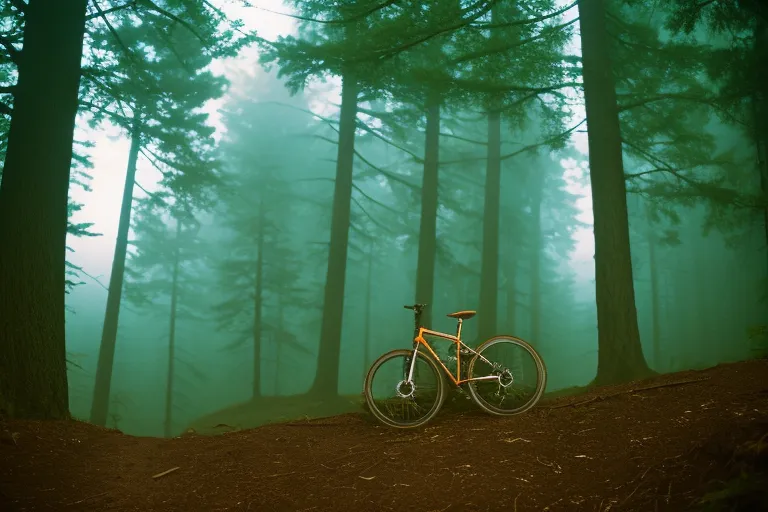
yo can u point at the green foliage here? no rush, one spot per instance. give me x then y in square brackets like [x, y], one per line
[148, 72]
[264, 202]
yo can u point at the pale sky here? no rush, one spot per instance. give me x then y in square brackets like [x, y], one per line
[110, 154]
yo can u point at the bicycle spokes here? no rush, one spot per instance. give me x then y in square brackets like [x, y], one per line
[397, 400]
[517, 381]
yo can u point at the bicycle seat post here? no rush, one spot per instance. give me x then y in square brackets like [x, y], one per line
[458, 329]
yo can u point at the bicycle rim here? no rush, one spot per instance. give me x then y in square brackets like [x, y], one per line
[522, 376]
[396, 403]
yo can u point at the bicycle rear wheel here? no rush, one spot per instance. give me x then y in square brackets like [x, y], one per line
[398, 403]
[521, 376]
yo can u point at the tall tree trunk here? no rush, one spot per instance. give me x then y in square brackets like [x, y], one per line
[327, 376]
[257, 306]
[511, 295]
[104, 366]
[425, 266]
[537, 190]
[620, 355]
[278, 344]
[761, 149]
[168, 426]
[653, 271]
[33, 212]
[367, 322]
[489, 267]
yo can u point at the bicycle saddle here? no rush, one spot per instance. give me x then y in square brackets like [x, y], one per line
[462, 315]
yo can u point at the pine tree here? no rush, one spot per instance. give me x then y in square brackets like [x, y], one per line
[162, 279]
[620, 355]
[261, 210]
[157, 103]
[34, 187]
[44, 114]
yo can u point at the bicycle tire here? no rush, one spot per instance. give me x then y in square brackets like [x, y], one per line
[541, 369]
[372, 407]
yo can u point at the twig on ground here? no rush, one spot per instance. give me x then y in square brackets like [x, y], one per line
[368, 469]
[554, 465]
[574, 404]
[627, 392]
[311, 424]
[669, 384]
[88, 498]
[652, 466]
[319, 468]
[165, 472]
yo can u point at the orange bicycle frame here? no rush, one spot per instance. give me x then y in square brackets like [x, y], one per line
[456, 340]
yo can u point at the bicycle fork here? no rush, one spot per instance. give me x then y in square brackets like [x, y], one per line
[406, 387]
[413, 364]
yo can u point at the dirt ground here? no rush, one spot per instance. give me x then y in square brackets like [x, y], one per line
[653, 445]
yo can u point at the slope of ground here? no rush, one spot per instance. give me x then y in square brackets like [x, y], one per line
[652, 445]
[272, 409]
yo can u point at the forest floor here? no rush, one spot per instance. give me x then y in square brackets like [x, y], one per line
[659, 444]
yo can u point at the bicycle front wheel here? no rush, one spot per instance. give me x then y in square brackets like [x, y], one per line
[511, 376]
[394, 400]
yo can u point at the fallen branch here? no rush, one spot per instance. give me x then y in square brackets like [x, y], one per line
[88, 498]
[311, 424]
[165, 472]
[628, 391]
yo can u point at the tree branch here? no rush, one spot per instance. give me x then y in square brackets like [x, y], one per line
[389, 53]
[13, 53]
[111, 10]
[526, 21]
[343, 21]
[381, 137]
[711, 191]
[154, 7]
[555, 138]
[505, 48]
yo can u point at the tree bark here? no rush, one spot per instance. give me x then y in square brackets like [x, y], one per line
[511, 295]
[537, 187]
[168, 425]
[489, 267]
[105, 364]
[620, 355]
[278, 344]
[655, 290]
[367, 322]
[327, 377]
[257, 306]
[761, 150]
[34, 188]
[425, 266]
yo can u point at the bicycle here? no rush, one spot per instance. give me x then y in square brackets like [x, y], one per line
[501, 375]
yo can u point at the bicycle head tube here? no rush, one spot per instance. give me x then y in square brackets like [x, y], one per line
[417, 311]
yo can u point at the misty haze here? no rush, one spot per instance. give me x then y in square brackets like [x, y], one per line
[213, 212]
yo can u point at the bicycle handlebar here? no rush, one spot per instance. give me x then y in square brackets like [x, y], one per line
[416, 307]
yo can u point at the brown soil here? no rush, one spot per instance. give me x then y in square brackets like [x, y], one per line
[652, 445]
